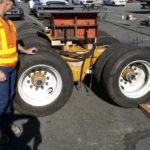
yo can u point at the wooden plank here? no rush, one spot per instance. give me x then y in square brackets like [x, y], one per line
[66, 47]
[145, 109]
[59, 43]
[88, 46]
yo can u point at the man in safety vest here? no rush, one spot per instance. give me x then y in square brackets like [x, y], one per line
[8, 61]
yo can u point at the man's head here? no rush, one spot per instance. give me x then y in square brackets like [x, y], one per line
[10, 4]
[3, 6]
[1, 1]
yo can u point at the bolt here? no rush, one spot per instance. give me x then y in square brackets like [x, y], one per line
[130, 81]
[135, 68]
[136, 73]
[45, 72]
[47, 78]
[132, 77]
[50, 90]
[121, 80]
[31, 86]
[36, 88]
[42, 87]
[125, 82]
[122, 87]
[28, 81]
[46, 83]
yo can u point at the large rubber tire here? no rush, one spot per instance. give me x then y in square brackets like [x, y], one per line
[51, 95]
[29, 34]
[105, 57]
[31, 39]
[126, 77]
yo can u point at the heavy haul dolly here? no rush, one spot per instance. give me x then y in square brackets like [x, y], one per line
[71, 47]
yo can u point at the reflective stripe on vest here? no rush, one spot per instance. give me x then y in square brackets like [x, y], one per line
[8, 56]
[5, 52]
[3, 39]
[8, 60]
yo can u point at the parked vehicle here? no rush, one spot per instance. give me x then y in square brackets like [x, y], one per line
[32, 4]
[84, 2]
[54, 2]
[39, 3]
[145, 3]
[115, 2]
[17, 12]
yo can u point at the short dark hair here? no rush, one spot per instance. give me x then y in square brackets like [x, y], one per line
[13, 1]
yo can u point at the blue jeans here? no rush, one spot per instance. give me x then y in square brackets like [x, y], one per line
[7, 91]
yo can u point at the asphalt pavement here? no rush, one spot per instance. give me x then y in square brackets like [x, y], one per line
[90, 121]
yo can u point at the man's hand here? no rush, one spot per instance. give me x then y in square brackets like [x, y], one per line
[2, 76]
[31, 51]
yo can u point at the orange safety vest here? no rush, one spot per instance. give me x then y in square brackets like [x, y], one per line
[8, 44]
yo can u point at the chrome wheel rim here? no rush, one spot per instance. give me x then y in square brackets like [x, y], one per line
[134, 80]
[40, 85]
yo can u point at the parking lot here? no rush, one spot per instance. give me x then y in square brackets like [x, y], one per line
[89, 121]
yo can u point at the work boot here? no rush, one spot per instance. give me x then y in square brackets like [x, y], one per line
[15, 129]
[12, 129]
[4, 139]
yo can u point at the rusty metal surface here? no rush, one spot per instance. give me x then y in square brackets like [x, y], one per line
[74, 26]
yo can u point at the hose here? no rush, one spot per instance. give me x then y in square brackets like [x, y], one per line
[85, 56]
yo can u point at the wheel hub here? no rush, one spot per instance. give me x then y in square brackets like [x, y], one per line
[40, 85]
[126, 73]
[130, 76]
[38, 79]
[134, 80]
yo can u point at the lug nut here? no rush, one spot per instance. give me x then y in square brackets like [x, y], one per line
[42, 87]
[47, 78]
[28, 81]
[122, 87]
[45, 72]
[125, 82]
[36, 88]
[130, 81]
[136, 73]
[46, 83]
[31, 86]
[121, 80]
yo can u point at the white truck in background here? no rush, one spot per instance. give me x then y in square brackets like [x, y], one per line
[115, 2]
[82, 2]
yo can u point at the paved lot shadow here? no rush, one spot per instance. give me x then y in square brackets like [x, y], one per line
[30, 133]
[132, 139]
[140, 12]
[97, 89]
